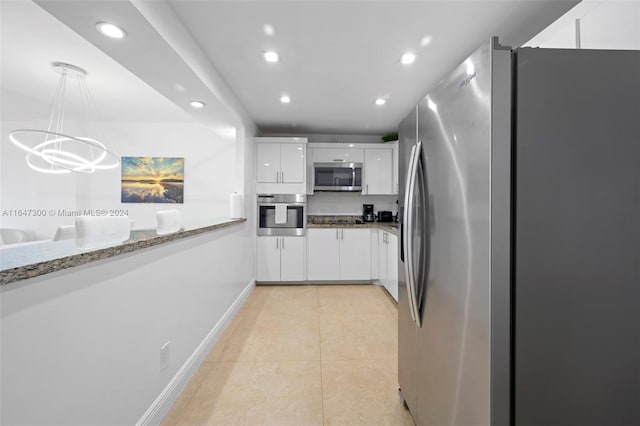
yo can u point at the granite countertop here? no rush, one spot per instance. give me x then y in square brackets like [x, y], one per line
[349, 222]
[39, 258]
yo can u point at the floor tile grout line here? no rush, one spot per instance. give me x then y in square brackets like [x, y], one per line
[320, 348]
[378, 301]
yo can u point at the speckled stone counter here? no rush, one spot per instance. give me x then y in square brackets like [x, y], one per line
[349, 222]
[32, 260]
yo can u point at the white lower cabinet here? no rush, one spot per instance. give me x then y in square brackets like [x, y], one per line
[383, 258]
[392, 270]
[338, 254]
[388, 262]
[355, 254]
[280, 259]
[323, 247]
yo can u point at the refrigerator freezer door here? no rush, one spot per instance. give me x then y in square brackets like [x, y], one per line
[577, 272]
[454, 346]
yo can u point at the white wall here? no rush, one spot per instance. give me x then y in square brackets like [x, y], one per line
[82, 346]
[344, 203]
[210, 175]
[210, 170]
[608, 24]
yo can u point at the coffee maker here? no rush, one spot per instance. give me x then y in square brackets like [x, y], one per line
[367, 213]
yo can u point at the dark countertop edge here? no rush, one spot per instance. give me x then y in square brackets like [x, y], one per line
[389, 226]
[21, 273]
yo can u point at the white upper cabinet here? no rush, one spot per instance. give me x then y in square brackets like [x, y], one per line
[338, 155]
[292, 163]
[396, 166]
[378, 171]
[268, 162]
[281, 165]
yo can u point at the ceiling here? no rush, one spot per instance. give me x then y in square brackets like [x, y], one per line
[337, 57]
[32, 39]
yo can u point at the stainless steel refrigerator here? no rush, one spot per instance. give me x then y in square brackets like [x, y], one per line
[519, 263]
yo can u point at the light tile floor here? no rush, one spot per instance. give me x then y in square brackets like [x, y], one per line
[301, 355]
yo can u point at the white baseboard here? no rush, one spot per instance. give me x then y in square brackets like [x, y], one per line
[161, 406]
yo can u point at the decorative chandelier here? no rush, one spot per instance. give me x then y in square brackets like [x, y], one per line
[52, 150]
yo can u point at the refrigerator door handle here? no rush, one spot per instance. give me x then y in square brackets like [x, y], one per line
[407, 231]
[420, 168]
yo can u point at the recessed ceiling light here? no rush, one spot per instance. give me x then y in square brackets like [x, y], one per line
[111, 30]
[426, 40]
[271, 56]
[285, 99]
[197, 104]
[381, 101]
[268, 30]
[408, 58]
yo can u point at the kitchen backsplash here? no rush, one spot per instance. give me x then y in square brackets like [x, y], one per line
[341, 203]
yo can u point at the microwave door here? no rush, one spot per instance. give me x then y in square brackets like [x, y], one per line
[337, 178]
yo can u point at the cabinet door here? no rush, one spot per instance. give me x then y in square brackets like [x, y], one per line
[383, 257]
[375, 254]
[338, 155]
[292, 163]
[292, 258]
[355, 254]
[323, 254]
[392, 270]
[378, 168]
[268, 259]
[267, 162]
[395, 173]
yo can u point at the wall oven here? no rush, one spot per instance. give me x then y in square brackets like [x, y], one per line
[282, 214]
[337, 177]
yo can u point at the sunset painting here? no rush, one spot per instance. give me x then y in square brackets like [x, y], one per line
[152, 180]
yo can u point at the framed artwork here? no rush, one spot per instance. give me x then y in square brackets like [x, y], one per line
[152, 180]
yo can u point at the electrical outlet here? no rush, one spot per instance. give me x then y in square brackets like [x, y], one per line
[164, 356]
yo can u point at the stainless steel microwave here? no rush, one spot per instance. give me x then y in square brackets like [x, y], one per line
[337, 177]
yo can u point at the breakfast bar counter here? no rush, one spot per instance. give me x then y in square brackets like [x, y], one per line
[36, 258]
